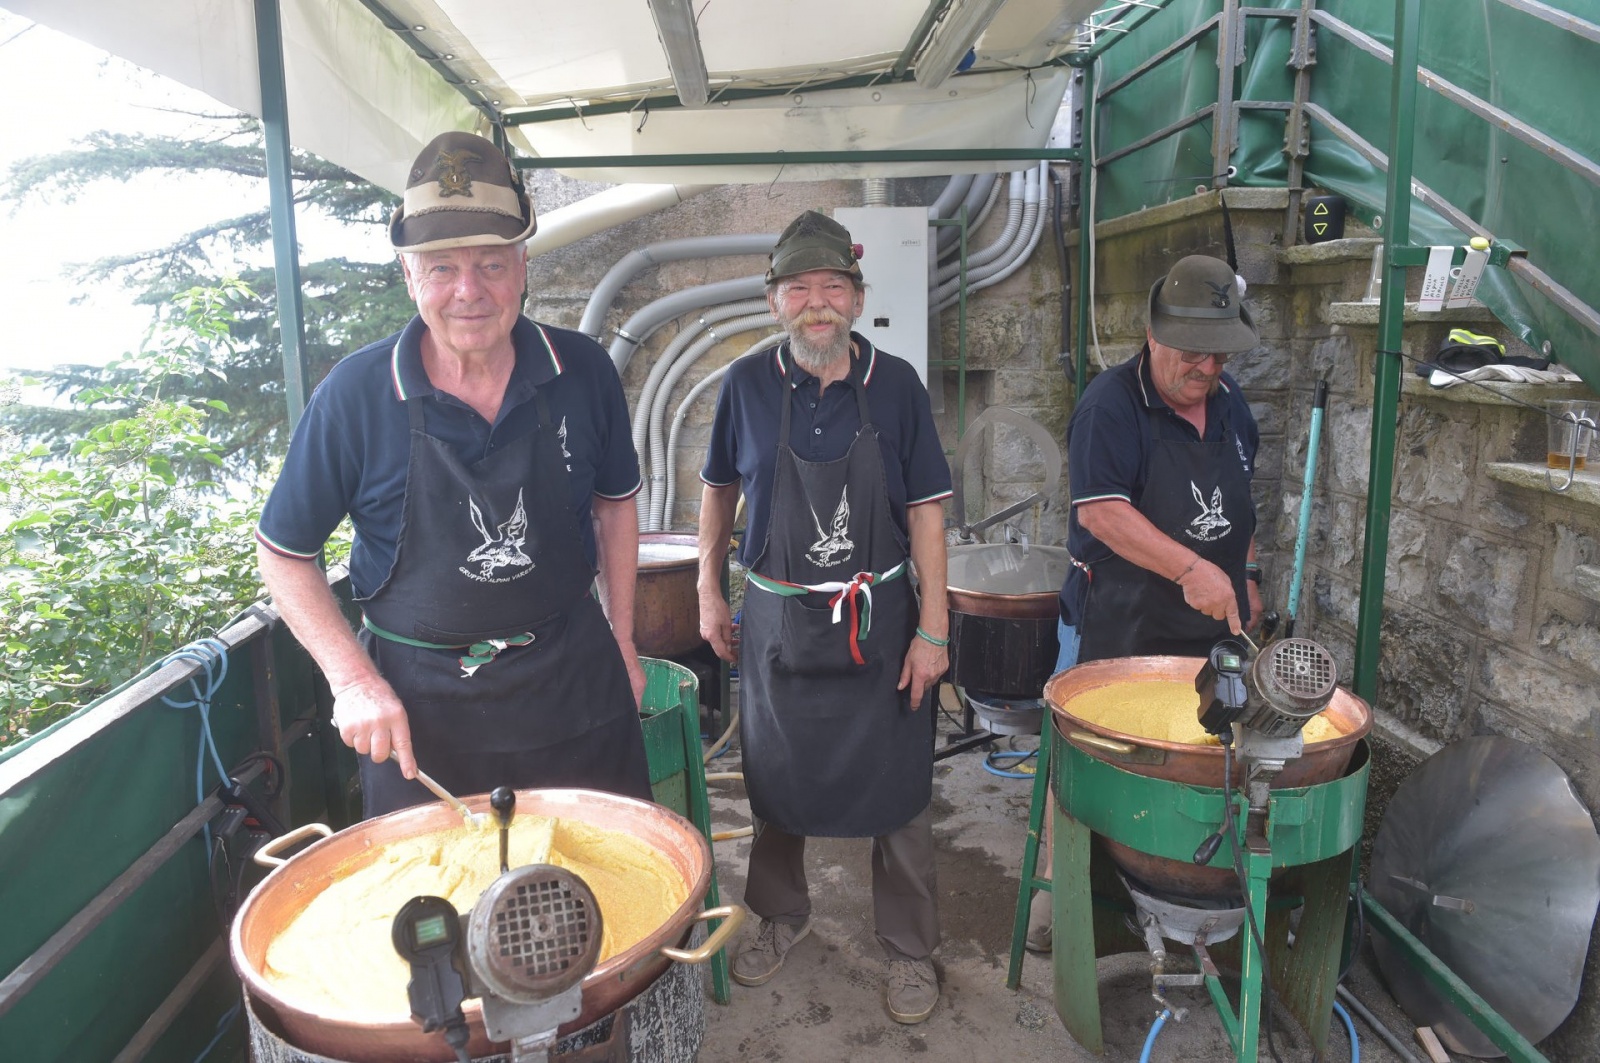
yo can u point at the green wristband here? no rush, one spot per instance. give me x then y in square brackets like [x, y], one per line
[941, 643]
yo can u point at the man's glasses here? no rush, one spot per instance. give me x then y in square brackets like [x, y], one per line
[1196, 359]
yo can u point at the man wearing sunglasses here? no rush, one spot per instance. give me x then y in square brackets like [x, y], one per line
[1160, 452]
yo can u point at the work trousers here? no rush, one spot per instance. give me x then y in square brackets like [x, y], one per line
[905, 907]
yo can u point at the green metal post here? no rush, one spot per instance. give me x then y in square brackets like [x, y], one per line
[280, 188]
[1038, 808]
[1080, 374]
[1391, 317]
[1258, 867]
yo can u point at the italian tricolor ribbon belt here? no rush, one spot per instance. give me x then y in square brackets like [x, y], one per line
[855, 591]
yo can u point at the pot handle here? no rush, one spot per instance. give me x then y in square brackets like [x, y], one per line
[733, 918]
[1104, 745]
[267, 855]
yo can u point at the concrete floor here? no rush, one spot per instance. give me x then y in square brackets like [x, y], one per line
[826, 1005]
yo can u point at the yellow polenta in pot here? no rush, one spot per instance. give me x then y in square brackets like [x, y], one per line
[1165, 710]
[337, 957]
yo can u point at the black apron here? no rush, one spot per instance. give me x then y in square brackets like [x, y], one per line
[486, 630]
[831, 748]
[1198, 494]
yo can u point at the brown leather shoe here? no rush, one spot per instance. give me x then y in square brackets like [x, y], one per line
[761, 956]
[912, 990]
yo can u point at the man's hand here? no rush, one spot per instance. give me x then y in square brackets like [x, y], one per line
[372, 721]
[630, 660]
[716, 626]
[924, 666]
[1207, 589]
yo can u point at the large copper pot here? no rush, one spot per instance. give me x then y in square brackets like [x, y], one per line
[285, 892]
[1196, 765]
[1003, 609]
[666, 609]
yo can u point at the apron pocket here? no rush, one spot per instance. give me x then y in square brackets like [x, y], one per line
[811, 643]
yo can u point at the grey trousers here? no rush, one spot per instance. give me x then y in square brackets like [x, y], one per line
[904, 904]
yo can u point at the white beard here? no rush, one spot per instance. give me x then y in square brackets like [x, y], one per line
[815, 359]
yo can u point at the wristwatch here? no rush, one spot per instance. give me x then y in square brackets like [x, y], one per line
[1253, 574]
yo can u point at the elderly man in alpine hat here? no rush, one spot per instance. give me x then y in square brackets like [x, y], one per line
[833, 444]
[486, 464]
[1160, 454]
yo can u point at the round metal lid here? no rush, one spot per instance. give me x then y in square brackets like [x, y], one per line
[1490, 859]
[1007, 568]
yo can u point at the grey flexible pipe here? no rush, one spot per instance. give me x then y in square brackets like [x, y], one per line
[988, 205]
[1021, 246]
[682, 414]
[708, 319]
[659, 460]
[640, 259]
[993, 250]
[949, 235]
[954, 190]
[651, 317]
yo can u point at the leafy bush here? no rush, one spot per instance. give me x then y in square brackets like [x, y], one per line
[131, 545]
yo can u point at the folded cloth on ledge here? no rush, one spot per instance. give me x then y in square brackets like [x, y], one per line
[1516, 374]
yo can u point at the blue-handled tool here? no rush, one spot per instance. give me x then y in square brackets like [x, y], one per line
[1319, 405]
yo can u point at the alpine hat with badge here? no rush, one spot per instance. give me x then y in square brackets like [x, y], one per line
[462, 192]
[1199, 307]
[814, 241]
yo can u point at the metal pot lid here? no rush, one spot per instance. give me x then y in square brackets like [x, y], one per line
[668, 550]
[1489, 858]
[1008, 568]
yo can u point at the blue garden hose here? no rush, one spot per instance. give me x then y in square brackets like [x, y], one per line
[1016, 757]
[1161, 1020]
[212, 657]
[1150, 1038]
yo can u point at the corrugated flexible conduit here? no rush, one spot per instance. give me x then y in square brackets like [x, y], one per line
[997, 247]
[1021, 249]
[707, 319]
[682, 414]
[640, 259]
[660, 460]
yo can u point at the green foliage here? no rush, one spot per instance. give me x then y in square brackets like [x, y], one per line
[123, 549]
[346, 303]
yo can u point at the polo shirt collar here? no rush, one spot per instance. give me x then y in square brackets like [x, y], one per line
[863, 361]
[537, 364]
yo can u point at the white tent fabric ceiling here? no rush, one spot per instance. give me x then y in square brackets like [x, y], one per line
[361, 95]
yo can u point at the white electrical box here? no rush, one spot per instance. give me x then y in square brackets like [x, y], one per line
[894, 261]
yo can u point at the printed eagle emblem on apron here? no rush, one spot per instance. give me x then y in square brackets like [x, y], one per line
[826, 551]
[561, 438]
[501, 550]
[454, 180]
[1210, 525]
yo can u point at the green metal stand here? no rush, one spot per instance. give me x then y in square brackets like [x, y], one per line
[1031, 882]
[1311, 830]
[671, 718]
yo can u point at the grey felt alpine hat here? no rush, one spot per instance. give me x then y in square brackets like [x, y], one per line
[462, 192]
[814, 241]
[1199, 307]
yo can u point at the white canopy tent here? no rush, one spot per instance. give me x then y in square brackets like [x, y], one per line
[370, 81]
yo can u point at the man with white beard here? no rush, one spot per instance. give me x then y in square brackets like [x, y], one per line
[833, 444]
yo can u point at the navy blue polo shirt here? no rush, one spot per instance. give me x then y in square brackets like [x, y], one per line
[351, 450]
[823, 424]
[1108, 442]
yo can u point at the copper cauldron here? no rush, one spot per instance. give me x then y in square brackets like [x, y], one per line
[666, 609]
[285, 892]
[1196, 765]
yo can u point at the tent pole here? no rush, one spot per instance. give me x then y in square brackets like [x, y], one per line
[1391, 311]
[280, 185]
